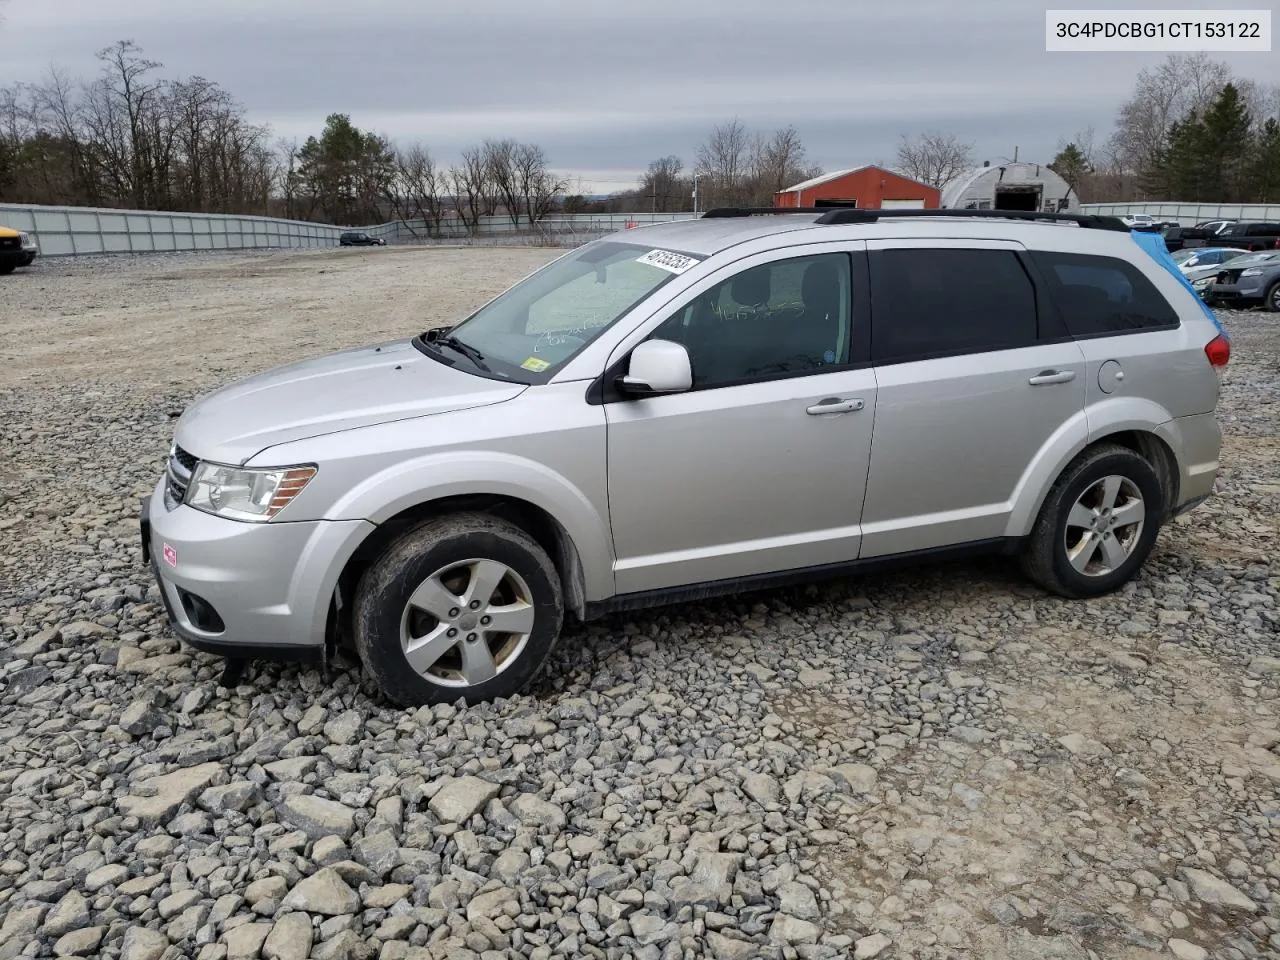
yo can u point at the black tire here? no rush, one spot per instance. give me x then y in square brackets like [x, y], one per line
[382, 599]
[7, 268]
[1045, 560]
[1272, 299]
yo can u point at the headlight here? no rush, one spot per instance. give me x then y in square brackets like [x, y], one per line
[1252, 272]
[1202, 282]
[239, 493]
[25, 240]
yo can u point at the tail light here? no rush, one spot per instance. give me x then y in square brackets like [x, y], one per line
[1218, 350]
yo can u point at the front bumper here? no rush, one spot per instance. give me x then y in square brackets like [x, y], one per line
[1235, 292]
[250, 590]
[22, 257]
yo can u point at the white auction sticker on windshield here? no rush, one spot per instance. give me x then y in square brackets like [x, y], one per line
[666, 260]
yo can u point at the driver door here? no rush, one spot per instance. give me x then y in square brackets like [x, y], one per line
[761, 466]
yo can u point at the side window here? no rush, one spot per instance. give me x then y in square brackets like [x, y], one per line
[929, 303]
[1103, 295]
[786, 317]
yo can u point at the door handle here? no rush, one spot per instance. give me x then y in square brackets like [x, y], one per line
[833, 405]
[1052, 376]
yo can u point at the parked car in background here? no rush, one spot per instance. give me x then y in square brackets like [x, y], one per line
[1201, 278]
[1249, 235]
[692, 409]
[17, 249]
[358, 238]
[1192, 257]
[1213, 227]
[1140, 221]
[1239, 284]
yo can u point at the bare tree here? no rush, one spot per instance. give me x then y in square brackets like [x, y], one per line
[472, 187]
[723, 163]
[537, 185]
[662, 186]
[419, 185]
[934, 157]
[1163, 95]
[500, 156]
[777, 162]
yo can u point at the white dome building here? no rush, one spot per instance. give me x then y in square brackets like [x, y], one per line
[1010, 186]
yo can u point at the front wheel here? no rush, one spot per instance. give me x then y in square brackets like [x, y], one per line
[1098, 524]
[1272, 299]
[466, 606]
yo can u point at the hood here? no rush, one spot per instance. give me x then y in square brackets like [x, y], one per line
[342, 391]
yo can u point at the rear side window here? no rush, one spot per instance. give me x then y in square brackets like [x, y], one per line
[931, 303]
[1103, 295]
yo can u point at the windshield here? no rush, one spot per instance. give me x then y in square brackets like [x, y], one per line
[531, 330]
[1253, 258]
[1182, 256]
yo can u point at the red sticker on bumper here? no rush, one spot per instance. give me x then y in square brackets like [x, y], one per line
[170, 556]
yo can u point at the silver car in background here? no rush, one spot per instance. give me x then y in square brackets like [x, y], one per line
[744, 400]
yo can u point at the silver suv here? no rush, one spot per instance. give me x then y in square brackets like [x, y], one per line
[695, 408]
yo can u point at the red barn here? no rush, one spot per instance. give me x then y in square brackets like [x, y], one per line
[869, 187]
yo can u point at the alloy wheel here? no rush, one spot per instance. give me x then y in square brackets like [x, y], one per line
[467, 622]
[1104, 526]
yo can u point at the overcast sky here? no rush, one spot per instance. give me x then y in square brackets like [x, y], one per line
[606, 86]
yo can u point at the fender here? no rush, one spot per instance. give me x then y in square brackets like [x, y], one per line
[436, 476]
[1109, 416]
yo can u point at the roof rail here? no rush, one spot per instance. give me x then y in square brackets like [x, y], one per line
[1088, 220]
[725, 212]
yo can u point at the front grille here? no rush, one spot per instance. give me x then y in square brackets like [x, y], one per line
[178, 476]
[10, 243]
[1229, 276]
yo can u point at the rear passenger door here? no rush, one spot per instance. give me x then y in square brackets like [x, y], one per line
[973, 378]
[1128, 331]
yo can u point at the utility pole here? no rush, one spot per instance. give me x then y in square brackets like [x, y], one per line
[695, 194]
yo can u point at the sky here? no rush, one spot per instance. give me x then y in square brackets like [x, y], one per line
[605, 86]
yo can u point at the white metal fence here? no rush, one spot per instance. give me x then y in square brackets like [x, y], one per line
[1189, 213]
[79, 231]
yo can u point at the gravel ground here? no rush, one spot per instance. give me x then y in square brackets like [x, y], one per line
[937, 763]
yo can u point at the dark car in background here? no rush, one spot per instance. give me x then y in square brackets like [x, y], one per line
[358, 238]
[1247, 282]
[1249, 235]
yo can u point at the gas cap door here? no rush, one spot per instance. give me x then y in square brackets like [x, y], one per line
[1110, 376]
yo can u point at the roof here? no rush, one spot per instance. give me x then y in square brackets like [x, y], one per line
[706, 237]
[837, 174]
[955, 188]
[824, 178]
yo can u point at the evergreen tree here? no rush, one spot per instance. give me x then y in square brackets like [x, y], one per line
[1224, 147]
[1072, 166]
[1265, 186]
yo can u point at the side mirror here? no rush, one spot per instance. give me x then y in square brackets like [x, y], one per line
[657, 366]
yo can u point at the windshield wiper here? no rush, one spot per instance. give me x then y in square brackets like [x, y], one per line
[468, 351]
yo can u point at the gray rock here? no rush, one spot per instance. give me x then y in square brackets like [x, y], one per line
[290, 938]
[797, 900]
[534, 811]
[792, 930]
[79, 943]
[317, 817]
[1186, 950]
[1215, 891]
[379, 852]
[324, 892]
[268, 888]
[70, 913]
[872, 946]
[233, 796]
[345, 728]
[492, 904]
[856, 777]
[140, 717]
[459, 799]
[142, 943]
[245, 941]
[158, 798]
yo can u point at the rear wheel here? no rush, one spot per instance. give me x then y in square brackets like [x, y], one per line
[466, 606]
[1098, 524]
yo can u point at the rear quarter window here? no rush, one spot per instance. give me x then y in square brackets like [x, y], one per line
[1098, 295]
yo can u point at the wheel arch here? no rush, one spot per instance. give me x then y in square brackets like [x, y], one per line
[546, 530]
